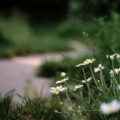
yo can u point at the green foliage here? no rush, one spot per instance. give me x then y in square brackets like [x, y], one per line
[35, 109]
[5, 104]
[50, 68]
[22, 39]
[53, 69]
[18, 38]
[97, 8]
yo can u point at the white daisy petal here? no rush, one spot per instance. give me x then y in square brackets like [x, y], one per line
[109, 108]
[63, 74]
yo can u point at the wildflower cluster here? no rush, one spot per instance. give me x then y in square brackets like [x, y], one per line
[88, 91]
[112, 57]
[115, 71]
[59, 89]
[99, 68]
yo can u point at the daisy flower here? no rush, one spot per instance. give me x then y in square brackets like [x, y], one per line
[63, 80]
[116, 71]
[109, 108]
[112, 57]
[63, 74]
[89, 61]
[57, 90]
[99, 68]
[111, 73]
[83, 81]
[98, 81]
[86, 62]
[89, 79]
[118, 56]
[77, 87]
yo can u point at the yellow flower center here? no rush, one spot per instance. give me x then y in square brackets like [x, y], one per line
[119, 69]
[81, 64]
[57, 89]
[70, 109]
[112, 109]
[74, 89]
[89, 62]
[99, 68]
[62, 80]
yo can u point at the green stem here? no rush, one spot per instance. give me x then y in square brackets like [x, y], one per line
[93, 75]
[102, 80]
[90, 95]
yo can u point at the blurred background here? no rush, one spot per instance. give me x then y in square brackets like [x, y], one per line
[41, 30]
[39, 25]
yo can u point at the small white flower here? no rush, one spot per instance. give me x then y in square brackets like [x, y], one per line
[89, 61]
[116, 71]
[111, 72]
[61, 103]
[77, 87]
[83, 81]
[112, 57]
[99, 68]
[57, 90]
[63, 80]
[96, 69]
[63, 74]
[89, 79]
[107, 56]
[56, 111]
[108, 108]
[118, 56]
[98, 81]
[85, 34]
